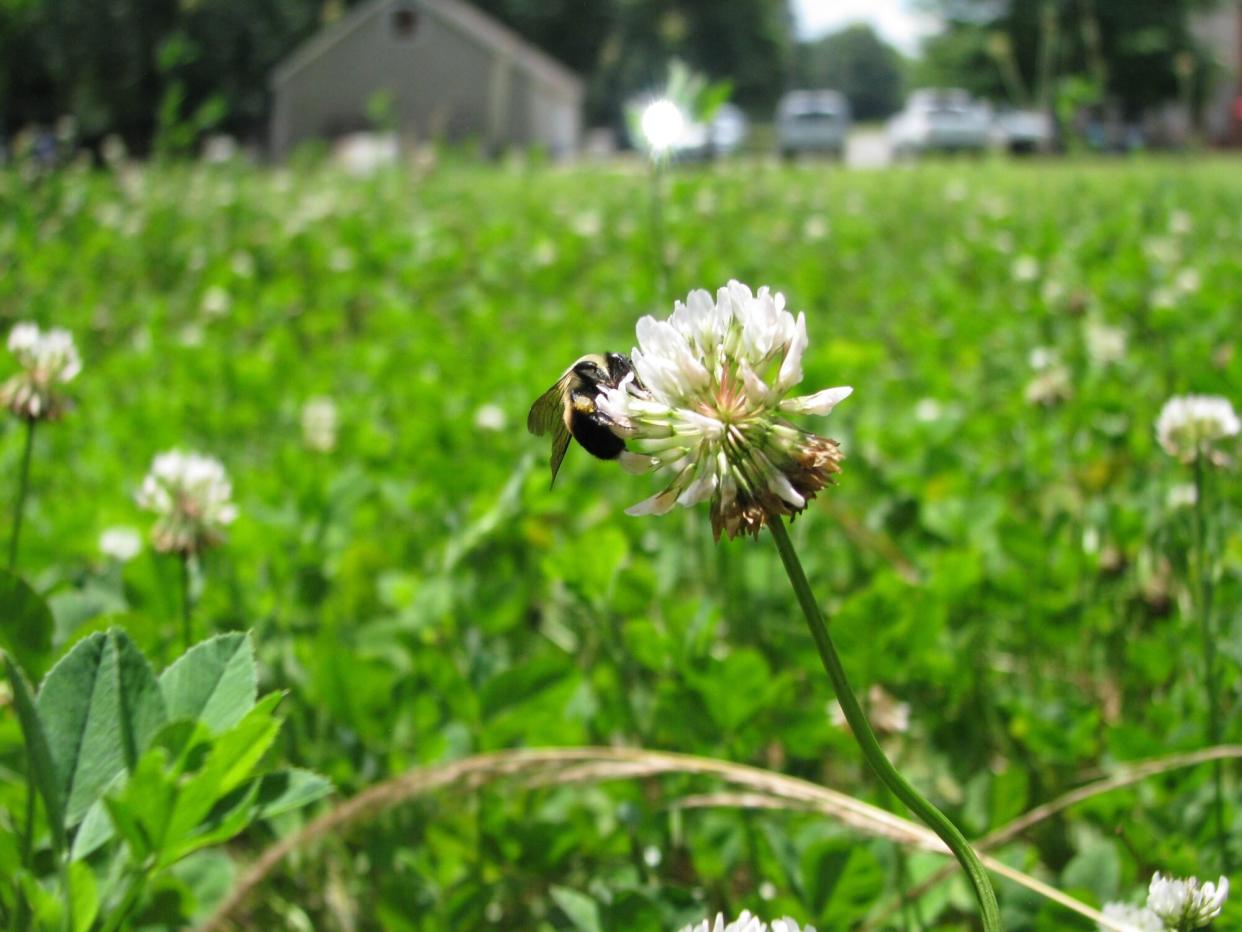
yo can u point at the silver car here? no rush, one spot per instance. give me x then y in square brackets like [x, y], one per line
[943, 120]
[812, 121]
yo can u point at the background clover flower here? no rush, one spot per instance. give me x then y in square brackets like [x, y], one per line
[1138, 918]
[319, 425]
[191, 494]
[1190, 426]
[1186, 904]
[707, 408]
[48, 360]
[746, 922]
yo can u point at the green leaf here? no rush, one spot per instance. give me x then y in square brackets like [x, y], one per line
[141, 809]
[100, 706]
[214, 682]
[38, 752]
[85, 890]
[287, 790]
[582, 911]
[26, 624]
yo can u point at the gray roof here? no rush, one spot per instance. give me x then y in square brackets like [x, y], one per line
[457, 14]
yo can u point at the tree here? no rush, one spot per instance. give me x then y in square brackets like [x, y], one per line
[858, 63]
[1015, 50]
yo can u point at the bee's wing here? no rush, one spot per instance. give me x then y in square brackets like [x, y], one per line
[548, 410]
[560, 443]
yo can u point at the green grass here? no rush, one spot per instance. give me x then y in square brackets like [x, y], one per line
[1012, 570]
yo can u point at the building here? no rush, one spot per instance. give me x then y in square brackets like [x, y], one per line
[438, 69]
[1219, 32]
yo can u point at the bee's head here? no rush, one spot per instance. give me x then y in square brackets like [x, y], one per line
[591, 369]
[619, 366]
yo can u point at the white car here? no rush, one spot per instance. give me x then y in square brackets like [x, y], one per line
[812, 121]
[1020, 131]
[940, 120]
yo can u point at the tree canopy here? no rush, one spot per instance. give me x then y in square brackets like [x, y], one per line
[859, 64]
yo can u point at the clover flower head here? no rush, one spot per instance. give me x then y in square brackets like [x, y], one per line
[319, 425]
[48, 360]
[121, 544]
[191, 496]
[746, 922]
[1190, 426]
[1186, 904]
[1135, 918]
[662, 124]
[706, 405]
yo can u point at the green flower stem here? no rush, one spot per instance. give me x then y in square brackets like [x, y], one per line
[931, 816]
[1205, 596]
[657, 223]
[19, 505]
[187, 606]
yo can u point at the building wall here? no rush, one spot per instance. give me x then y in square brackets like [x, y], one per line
[442, 83]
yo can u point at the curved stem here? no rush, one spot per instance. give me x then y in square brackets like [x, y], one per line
[19, 505]
[1203, 572]
[186, 605]
[936, 820]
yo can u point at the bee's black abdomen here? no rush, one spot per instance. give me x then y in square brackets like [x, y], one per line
[594, 436]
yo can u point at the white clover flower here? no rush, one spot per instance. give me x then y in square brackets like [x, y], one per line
[1186, 904]
[190, 493]
[662, 124]
[1025, 269]
[1187, 281]
[1182, 495]
[490, 417]
[1189, 426]
[216, 302]
[1105, 344]
[815, 228]
[48, 360]
[746, 923]
[120, 543]
[319, 425]
[707, 405]
[1052, 383]
[1136, 918]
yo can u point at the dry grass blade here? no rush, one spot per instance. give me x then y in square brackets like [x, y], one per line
[556, 766]
[1127, 776]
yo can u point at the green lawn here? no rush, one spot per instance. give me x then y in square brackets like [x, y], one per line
[1005, 551]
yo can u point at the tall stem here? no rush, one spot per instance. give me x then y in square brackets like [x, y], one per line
[1204, 598]
[931, 816]
[657, 224]
[19, 505]
[187, 606]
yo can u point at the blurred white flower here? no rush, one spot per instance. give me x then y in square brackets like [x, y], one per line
[48, 360]
[1180, 223]
[340, 260]
[1025, 269]
[191, 496]
[1187, 281]
[746, 923]
[588, 224]
[885, 712]
[815, 228]
[1163, 298]
[113, 150]
[216, 302]
[705, 403]
[928, 410]
[242, 264]
[1186, 904]
[1190, 426]
[1182, 495]
[662, 124]
[1161, 250]
[319, 424]
[1105, 344]
[120, 543]
[490, 417]
[1136, 918]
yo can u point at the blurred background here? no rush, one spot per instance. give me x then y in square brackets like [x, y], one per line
[212, 75]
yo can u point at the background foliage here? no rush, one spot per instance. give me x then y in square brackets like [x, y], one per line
[1010, 569]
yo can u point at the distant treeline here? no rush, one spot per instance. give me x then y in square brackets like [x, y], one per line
[173, 69]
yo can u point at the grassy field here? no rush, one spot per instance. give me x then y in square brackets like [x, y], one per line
[1006, 552]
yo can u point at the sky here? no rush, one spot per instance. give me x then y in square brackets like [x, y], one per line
[894, 20]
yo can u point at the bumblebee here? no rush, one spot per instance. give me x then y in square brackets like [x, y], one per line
[568, 408]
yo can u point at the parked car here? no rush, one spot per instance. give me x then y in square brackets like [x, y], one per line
[945, 120]
[812, 121]
[1022, 131]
